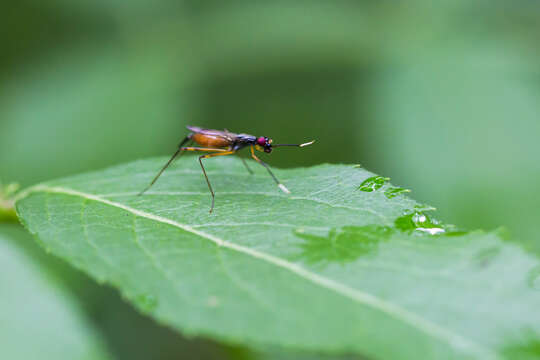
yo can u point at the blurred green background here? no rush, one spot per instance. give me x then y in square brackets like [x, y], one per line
[443, 97]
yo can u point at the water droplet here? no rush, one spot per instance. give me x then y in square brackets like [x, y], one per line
[146, 302]
[392, 192]
[534, 278]
[432, 231]
[212, 301]
[373, 183]
[419, 221]
[424, 207]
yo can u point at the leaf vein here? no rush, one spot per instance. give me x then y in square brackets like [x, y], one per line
[241, 284]
[155, 262]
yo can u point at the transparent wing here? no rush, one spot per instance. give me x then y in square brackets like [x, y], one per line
[223, 134]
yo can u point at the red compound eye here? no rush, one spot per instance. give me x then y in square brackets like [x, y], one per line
[261, 141]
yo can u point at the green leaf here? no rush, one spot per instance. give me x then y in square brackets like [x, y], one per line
[39, 318]
[489, 83]
[83, 95]
[328, 268]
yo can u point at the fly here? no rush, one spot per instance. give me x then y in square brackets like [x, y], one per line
[223, 143]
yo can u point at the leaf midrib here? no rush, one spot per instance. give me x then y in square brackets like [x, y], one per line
[429, 328]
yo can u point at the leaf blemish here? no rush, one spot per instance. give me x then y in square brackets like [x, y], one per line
[376, 183]
[485, 257]
[342, 245]
[373, 183]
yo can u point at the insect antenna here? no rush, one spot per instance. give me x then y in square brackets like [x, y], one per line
[297, 145]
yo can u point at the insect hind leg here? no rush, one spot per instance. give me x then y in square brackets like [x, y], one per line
[177, 154]
[222, 153]
[247, 166]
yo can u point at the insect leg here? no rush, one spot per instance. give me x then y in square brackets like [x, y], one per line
[247, 167]
[177, 153]
[181, 146]
[280, 185]
[206, 176]
[191, 148]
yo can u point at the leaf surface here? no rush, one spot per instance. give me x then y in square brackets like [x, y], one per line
[339, 265]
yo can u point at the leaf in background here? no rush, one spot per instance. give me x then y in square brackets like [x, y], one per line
[39, 318]
[254, 37]
[464, 115]
[258, 271]
[91, 108]
[278, 67]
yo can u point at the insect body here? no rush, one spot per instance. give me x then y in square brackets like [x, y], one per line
[222, 143]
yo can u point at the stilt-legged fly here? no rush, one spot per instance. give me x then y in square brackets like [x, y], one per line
[222, 143]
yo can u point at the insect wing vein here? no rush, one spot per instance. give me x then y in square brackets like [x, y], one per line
[210, 132]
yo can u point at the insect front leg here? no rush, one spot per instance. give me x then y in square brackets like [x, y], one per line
[279, 184]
